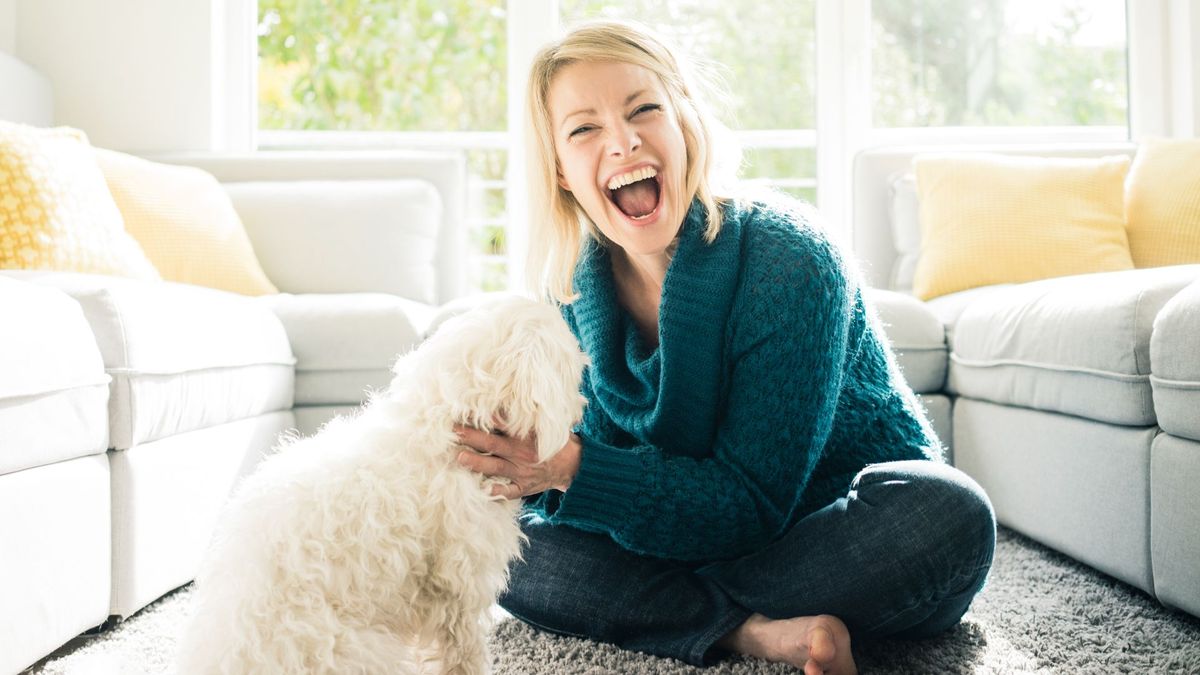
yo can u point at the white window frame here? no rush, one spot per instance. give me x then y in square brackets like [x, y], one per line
[1164, 55]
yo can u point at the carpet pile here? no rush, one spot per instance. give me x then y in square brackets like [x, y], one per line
[1041, 612]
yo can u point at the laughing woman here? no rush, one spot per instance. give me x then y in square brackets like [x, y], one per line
[752, 473]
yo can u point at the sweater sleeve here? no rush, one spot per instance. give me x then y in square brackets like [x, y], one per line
[791, 337]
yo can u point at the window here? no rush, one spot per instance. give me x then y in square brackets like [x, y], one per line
[419, 73]
[811, 82]
[998, 63]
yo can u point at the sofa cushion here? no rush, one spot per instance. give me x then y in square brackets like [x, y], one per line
[1162, 203]
[185, 223]
[917, 338]
[55, 209]
[346, 343]
[904, 212]
[181, 357]
[54, 391]
[989, 219]
[386, 241]
[1078, 345]
[1175, 364]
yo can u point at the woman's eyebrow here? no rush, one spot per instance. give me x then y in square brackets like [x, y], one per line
[592, 111]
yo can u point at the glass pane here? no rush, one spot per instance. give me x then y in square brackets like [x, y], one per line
[487, 164]
[765, 51]
[999, 62]
[382, 65]
[769, 162]
[489, 274]
[486, 211]
[789, 170]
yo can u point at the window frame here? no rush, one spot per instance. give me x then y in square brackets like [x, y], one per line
[1163, 101]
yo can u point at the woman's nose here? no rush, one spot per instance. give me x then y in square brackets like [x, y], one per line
[623, 141]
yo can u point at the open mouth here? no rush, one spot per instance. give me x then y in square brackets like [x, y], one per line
[637, 193]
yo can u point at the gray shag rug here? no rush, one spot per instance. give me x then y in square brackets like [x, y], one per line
[1041, 612]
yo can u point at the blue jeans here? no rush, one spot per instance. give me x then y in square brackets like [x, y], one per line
[901, 555]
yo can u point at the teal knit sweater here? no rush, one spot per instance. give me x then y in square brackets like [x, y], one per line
[771, 387]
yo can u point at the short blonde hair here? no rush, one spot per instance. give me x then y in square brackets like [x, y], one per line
[556, 232]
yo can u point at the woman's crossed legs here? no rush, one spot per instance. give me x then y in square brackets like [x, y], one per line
[902, 554]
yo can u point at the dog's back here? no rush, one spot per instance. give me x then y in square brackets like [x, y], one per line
[342, 549]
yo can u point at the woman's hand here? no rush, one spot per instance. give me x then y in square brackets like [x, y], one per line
[516, 459]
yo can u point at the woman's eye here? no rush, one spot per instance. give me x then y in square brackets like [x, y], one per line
[580, 130]
[647, 108]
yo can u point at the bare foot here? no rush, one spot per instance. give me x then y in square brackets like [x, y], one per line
[818, 644]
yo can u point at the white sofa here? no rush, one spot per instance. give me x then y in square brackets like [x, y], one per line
[1075, 401]
[128, 409]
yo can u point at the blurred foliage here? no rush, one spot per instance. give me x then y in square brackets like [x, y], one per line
[425, 65]
[382, 65]
[964, 63]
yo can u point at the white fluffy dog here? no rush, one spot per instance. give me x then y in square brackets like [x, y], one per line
[350, 551]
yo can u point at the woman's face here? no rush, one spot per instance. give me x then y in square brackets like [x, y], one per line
[621, 152]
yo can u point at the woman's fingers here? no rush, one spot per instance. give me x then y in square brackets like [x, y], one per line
[522, 450]
[480, 440]
[510, 491]
[488, 466]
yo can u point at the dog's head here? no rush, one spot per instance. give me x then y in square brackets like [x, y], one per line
[513, 360]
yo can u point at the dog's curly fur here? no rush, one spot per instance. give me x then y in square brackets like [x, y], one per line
[345, 551]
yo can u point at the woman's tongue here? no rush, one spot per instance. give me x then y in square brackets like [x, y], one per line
[637, 199]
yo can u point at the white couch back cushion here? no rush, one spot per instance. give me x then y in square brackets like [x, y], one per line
[344, 236]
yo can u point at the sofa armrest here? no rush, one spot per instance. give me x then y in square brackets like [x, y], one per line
[341, 222]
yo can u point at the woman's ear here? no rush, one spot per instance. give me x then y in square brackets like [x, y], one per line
[562, 182]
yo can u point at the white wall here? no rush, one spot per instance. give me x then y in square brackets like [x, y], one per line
[1195, 34]
[8, 26]
[136, 75]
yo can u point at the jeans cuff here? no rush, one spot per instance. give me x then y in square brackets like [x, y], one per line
[702, 647]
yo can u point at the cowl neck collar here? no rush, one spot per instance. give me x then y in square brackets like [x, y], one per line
[660, 395]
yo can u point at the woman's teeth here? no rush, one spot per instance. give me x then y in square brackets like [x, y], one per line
[631, 177]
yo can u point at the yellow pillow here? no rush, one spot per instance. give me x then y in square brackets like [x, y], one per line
[185, 222]
[992, 219]
[55, 210]
[1162, 203]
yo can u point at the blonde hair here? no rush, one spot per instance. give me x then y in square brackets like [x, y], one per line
[557, 221]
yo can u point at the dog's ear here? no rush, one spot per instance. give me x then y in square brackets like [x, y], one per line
[541, 371]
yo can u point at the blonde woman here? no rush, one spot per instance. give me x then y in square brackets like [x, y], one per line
[752, 473]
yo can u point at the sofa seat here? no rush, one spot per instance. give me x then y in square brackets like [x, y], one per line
[202, 384]
[1055, 414]
[918, 339]
[1077, 345]
[54, 391]
[181, 357]
[345, 345]
[917, 336]
[1175, 455]
[167, 495]
[1174, 352]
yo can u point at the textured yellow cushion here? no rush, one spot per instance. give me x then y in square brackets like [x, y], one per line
[992, 219]
[184, 220]
[55, 211]
[1162, 203]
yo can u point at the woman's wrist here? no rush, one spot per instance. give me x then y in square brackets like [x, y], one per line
[570, 456]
